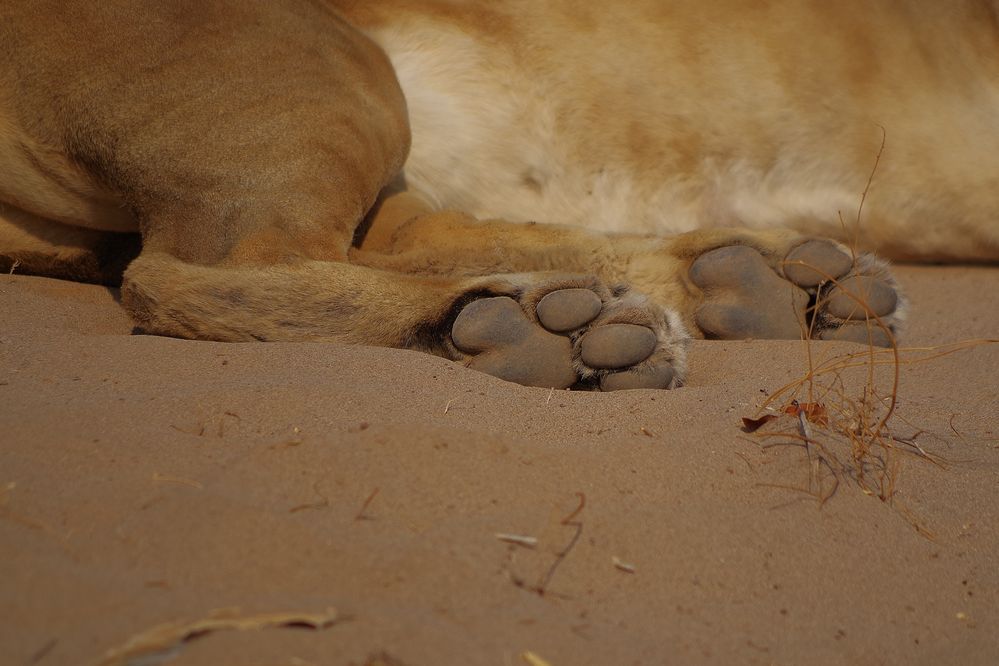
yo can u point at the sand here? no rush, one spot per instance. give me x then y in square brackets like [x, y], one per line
[325, 504]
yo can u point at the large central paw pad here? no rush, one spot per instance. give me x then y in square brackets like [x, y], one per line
[817, 290]
[572, 336]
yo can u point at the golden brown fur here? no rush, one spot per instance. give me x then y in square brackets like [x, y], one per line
[259, 150]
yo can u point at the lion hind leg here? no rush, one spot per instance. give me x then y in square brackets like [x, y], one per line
[306, 300]
[33, 245]
[530, 328]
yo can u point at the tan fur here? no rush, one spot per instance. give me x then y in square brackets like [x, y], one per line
[666, 117]
[259, 149]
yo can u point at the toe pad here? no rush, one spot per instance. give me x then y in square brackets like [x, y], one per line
[568, 309]
[508, 346]
[488, 322]
[848, 298]
[815, 262]
[617, 346]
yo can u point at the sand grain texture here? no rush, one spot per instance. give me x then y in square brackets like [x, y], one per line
[147, 480]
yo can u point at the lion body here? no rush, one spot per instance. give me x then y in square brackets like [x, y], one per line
[669, 117]
[268, 151]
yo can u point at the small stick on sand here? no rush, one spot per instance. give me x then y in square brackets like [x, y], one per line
[312, 505]
[13, 266]
[448, 406]
[806, 434]
[360, 514]
[569, 521]
[518, 539]
[623, 566]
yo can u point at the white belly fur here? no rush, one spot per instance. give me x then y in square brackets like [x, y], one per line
[488, 141]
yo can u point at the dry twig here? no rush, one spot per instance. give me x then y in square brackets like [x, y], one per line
[568, 521]
[364, 507]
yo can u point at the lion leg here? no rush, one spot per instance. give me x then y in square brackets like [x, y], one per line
[33, 245]
[723, 283]
[250, 162]
[406, 234]
[775, 284]
[538, 329]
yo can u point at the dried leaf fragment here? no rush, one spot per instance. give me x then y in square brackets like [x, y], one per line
[170, 635]
[813, 411]
[533, 659]
[752, 425]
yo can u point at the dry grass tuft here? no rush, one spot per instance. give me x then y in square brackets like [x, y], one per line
[846, 424]
[841, 411]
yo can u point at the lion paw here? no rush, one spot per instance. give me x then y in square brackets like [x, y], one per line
[818, 289]
[573, 333]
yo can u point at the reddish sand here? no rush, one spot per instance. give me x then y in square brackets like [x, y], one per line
[147, 480]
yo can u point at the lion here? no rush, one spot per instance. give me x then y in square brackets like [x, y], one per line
[560, 194]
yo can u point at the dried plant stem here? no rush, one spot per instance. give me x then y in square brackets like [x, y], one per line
[569, 521]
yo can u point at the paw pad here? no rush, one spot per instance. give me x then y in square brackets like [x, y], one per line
[745, 297]
[814, 262]
[848, 298]
[568, 309]
[617, 346]
[575, 338]
[817, 287]
[507, 345]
